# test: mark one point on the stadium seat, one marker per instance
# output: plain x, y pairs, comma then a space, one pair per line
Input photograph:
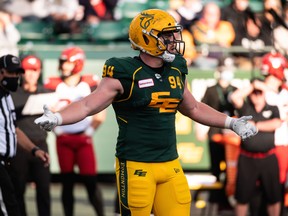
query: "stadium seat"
108, 31
34, 31
76, 37
160, 4
128, 9
256, 5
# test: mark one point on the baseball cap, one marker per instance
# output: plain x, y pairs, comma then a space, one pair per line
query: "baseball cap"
11, 63
31, 62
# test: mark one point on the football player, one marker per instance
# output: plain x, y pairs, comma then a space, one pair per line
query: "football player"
146, 91
75, 141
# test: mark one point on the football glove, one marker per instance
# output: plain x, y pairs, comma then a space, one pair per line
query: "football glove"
49, 120
242, 127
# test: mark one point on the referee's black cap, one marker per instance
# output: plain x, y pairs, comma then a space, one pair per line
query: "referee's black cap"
11, 63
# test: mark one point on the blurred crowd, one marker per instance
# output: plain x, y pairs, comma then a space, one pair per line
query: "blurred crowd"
212, 29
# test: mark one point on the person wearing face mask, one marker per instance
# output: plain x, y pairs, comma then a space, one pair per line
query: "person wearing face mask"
24, 166
11, 134
217, 96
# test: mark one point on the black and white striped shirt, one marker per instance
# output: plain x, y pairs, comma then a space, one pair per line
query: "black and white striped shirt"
8, 140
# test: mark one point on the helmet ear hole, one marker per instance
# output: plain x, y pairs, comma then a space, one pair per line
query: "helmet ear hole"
146, 39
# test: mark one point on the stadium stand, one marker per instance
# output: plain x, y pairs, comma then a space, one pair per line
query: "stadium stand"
106, 31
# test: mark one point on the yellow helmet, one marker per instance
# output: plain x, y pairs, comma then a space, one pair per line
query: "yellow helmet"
146, 29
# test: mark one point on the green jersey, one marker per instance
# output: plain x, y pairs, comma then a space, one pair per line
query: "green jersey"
146, 110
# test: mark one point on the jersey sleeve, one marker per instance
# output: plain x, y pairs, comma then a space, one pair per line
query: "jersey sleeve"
114, 68
121, 69
183, 65
180, 63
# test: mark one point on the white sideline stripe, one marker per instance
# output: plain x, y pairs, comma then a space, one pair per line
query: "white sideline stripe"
2, 204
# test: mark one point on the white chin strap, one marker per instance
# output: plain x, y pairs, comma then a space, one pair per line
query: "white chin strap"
167, 57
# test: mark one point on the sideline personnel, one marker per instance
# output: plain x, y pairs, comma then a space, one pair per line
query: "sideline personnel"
146, 91
10, 134
24, 167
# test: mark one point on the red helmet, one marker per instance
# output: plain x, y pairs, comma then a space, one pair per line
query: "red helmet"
31, 62
73, 54
274, 63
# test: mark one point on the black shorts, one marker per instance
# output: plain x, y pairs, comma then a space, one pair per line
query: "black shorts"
262, 171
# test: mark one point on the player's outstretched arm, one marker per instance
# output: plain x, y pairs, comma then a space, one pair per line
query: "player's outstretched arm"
94, 103
206, 115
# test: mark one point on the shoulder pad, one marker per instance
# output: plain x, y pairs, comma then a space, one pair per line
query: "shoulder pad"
118, 67
180, 63
91, 80
52, 83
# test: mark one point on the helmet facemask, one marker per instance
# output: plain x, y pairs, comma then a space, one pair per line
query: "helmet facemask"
174, 46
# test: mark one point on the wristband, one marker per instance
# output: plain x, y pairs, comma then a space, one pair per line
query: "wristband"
34, 149
59, 118
229, 122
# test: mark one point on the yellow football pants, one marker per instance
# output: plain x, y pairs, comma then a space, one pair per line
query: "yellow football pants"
160, 187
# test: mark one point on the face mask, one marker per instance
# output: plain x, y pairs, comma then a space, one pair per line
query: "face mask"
227, 76
10, 83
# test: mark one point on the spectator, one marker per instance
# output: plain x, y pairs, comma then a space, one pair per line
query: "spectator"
269, 18
247, 33
146, 92
63, 15
28, 10
281, 32
217, 96
257, 162
187, 13
236, 13
11, 69
110, 6
97, 10
9, 35
76, 141
254, 42
66, 16
211, 34
25, 167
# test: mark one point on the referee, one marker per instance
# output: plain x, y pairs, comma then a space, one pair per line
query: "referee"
10, 70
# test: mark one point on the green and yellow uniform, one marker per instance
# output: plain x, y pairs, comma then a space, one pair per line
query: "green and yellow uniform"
146, 141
